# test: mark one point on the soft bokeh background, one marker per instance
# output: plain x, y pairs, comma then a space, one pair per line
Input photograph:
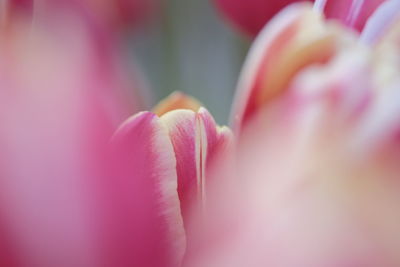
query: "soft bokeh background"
190, 48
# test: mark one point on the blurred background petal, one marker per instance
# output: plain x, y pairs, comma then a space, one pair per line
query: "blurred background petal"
250, 16
352, 13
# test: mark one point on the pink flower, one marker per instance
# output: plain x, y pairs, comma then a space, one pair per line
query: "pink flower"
311, 178
316, 176
70, 196
164, 161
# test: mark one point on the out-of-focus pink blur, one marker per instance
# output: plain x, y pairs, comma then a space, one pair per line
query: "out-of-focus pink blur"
114, 14
309, 177
64, 89
315, 178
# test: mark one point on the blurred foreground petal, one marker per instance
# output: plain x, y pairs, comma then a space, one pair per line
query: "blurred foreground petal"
59, 106
315, 180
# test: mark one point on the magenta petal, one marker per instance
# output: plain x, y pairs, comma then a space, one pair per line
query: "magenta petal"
181, 125
353, 13
146, 221
216, 138
251, 15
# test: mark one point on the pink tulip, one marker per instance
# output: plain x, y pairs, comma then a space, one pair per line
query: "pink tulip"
68, 198
316, 175
163, 161
314, 180
251, 15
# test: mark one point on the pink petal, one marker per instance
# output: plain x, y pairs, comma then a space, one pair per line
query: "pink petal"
381, 21
294, 40
250, 16
307, 195
197, 142
145, 217
352, 13
181, 125
209, 133
52, 136
107, 73
220, 145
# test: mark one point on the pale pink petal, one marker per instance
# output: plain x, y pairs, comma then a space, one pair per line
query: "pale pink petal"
297, 38
209, 127
278, 30
198, 144
145, 223
182, 128
310, 193
382, 19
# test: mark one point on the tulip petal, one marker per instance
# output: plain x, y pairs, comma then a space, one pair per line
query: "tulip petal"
209, 127
250, 16
296, 39
181, 125
176, 100
382, 19
197, 142
309, 180
352, 13
148, 224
